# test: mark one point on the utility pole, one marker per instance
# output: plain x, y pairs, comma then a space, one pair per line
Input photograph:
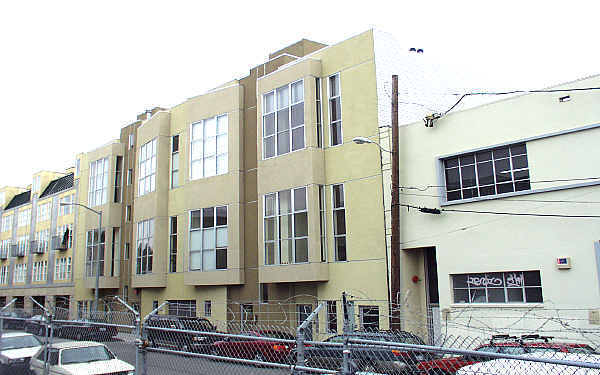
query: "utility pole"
395, 210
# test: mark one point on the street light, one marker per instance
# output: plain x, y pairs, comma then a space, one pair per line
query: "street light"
99, 213
363, 140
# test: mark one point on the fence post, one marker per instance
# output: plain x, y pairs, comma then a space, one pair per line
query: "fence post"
48, 336
348, 328
141, 353
139, 367
300, 337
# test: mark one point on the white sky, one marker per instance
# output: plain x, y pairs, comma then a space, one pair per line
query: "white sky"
72, 73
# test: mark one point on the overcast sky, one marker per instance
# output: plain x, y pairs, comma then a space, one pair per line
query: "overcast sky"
72, 73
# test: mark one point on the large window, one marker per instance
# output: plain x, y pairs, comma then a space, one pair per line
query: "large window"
6, 223
498, 287
98, 189
24, 218
65, 235
339, 222
43, 212
182, 307
92, 258
22, 245
62, 269
40, 270
335, 111
208, 239
4, 275
173, 244
147, 180
20, 273
4, 249
286, 227
67, 209
488, 172
283, 120
42, 239
174, 161
145, 252
209, 145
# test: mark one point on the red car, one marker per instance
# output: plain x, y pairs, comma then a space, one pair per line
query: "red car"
503, 344
261, 348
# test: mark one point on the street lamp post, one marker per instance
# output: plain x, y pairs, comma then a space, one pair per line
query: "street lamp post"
97, 285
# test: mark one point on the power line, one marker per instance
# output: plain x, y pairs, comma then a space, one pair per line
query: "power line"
509, 199
533, 182
438, 211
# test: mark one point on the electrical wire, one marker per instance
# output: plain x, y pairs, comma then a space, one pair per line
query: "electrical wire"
440, 210
533, 182
509, 199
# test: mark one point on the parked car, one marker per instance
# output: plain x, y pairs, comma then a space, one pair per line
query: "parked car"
503, 344
14, 320
16, 350
37, 325
85, 330
523, 367
261, 347
194, 341
370, 358
79, 358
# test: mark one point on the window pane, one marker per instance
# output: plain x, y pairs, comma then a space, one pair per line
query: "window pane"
285, 226
269, 147
485, 173
522, 185
339, 222
467, 159
501, 153
519, 161
222, 124
452, 179
221, 259
270, 253
270, 229
221, 215
208, 217
209, 259
197, 169
477, 295
210, 146
340, 248
285, 200
338, 196
208, 239
283, 121
533, 295
483, 156
505, 188
210, 127
221, 237
496, 295
222, 164
519, 149
269, 124
270, 204
470, 193
197, 131
302, 250
285, 251
532, 278
283, 97
336, 134
334, 85
451, 163
300, 199
301, 224
269, 102
222, 144
196, 261
297, 115
283, 143
468, 176
521, 175
461, 296
335, 110
487, 190
297, 92
210, 166
195, 219
515, 294
298, 138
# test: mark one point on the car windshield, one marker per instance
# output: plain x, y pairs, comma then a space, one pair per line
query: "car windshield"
19, 342
87, 354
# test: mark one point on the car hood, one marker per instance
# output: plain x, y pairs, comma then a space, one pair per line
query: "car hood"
522, 367
99, 367
20, 353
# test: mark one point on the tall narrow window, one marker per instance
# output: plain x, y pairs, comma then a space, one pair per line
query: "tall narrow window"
43, 212
207, 308
323, 223
24, 218
98, 188
126, 251
332, 316
128, 213
131, 141
93, 255
65, 236
283, 120
319, 112
286, 227
147, 179
208, 239
173, 245
339, 222
145, 251
335, 111
174, 161
115, 268
4, 275
67, 209
209, 147
129, 176
62, 269
118, 179
6, 223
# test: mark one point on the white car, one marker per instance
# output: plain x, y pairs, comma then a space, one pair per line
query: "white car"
519, 367
79, 358
17, 349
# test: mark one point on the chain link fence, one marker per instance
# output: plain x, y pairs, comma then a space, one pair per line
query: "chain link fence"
348, 336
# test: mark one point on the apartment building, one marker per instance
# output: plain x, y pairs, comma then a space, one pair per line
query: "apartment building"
37, 245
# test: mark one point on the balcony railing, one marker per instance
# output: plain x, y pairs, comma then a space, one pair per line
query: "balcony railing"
36, 247
15, 251
58, 244
3, 254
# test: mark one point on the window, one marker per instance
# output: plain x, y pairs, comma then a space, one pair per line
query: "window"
283, 120
62, 269
41, 238
40, 270
126, 250
147, 179
22, 245
92, 258
369, 318
173, 244
208, 239
24, 218
98, 189
498, 287
174, 161
65, 235
129, 176
145, 231
20, 272
339, 223
6, 223
43, 212
4, 249
115, 268
335, 111
131, 141
209, 147
488, 172
331, 316
264, 293
319, 112
323, 223
207, 308
128, 213
182, 307
4, 275
118, 180
67, 209
286, 227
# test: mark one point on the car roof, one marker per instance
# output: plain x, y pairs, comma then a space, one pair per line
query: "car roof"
16, 334
74, 344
